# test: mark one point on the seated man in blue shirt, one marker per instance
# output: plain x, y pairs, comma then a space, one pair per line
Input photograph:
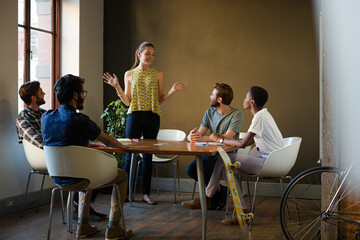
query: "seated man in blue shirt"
28, 124
65, 126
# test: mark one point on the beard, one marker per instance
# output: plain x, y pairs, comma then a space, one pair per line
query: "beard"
214, 104
80, 103
40, 101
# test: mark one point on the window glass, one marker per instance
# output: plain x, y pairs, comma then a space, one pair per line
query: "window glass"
21, 53
41, 14
40, 63
37, 44
21, 9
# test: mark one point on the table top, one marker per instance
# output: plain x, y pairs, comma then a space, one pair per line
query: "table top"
152, 146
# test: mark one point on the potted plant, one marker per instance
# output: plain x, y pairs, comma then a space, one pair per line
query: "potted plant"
115, 116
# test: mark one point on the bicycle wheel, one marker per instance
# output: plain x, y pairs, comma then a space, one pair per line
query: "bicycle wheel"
302, 208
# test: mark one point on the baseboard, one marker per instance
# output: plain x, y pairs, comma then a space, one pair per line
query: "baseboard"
264, 189
34, 199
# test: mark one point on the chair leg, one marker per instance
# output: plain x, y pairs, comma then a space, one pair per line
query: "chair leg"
174, 163
253, 204
193, 193
62, 206
51, 210
157, 178
41, 189
178, 174
296, 203
69, 210
137, 175
282, 188
248, 189
26, 192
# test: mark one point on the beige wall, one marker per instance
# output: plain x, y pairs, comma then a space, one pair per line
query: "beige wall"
13, 165
242, 43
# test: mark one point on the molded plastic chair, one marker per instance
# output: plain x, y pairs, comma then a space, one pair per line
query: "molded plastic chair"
168, 135
278, 164
98, 167
36, 158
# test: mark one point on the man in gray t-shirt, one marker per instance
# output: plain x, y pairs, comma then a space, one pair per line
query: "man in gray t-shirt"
219, 118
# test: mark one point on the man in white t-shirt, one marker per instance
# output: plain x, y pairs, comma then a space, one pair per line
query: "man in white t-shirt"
263, 131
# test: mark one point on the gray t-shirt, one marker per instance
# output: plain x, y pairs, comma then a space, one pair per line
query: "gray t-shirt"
217, 123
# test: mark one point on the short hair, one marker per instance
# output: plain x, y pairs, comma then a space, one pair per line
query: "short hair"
66, 86
29, 89
225, 92
259, 95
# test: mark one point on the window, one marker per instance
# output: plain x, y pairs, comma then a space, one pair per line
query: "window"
38, 45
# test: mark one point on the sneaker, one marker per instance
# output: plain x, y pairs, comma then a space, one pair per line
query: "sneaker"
192, 204
230, 221
86, 229
117, 233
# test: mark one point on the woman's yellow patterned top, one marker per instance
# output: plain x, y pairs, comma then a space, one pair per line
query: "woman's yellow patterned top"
144, 91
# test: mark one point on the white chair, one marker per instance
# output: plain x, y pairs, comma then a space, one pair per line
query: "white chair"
278, 165
36, 158
166, 135
97, 167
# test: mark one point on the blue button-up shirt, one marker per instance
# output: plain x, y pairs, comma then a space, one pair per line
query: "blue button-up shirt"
64, 126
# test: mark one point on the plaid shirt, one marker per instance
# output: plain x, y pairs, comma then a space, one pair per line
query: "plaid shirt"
28, 124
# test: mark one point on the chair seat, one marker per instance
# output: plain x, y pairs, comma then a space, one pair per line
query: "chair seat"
160, 159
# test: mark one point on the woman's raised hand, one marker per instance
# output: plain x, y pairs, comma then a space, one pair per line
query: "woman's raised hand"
111, 79
178, 86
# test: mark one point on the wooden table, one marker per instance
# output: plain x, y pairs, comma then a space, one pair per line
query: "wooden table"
148, 146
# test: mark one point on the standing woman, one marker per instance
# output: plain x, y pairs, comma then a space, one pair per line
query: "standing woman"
144, 94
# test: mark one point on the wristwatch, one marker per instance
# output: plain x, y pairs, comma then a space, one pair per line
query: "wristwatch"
221, 140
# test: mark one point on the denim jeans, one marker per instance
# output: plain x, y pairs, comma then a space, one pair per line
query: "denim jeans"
142, 124
208, 165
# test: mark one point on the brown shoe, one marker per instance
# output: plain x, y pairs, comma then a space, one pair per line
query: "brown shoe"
230, 221
149, 200
192, 204
86, 229
117, 233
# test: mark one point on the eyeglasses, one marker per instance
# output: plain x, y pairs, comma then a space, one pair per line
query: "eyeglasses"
84, 92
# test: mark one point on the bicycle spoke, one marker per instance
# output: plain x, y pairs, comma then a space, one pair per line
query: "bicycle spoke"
316, 215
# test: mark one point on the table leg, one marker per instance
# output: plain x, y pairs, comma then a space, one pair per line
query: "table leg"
131, 178
200, 174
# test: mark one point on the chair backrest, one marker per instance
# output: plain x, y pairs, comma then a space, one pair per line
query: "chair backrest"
35, 156
171, 135
280, 161
98, 167
243, 151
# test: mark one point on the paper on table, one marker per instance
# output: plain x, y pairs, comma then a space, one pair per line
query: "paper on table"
215, 143
124, 140
207, 143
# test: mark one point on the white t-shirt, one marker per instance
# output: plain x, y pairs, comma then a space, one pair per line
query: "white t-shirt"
268, 136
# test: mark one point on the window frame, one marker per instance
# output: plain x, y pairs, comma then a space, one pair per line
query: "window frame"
55, 44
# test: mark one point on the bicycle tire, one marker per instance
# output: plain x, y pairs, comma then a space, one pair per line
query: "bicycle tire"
303, 195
